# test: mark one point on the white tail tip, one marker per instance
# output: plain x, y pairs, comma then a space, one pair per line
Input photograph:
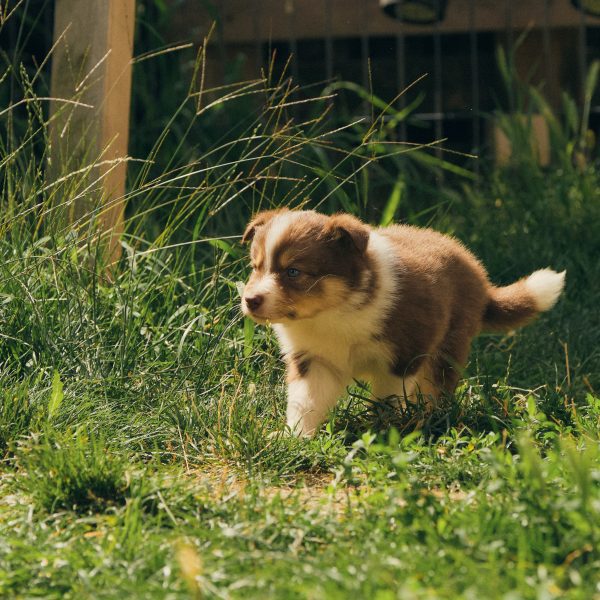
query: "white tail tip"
545, 286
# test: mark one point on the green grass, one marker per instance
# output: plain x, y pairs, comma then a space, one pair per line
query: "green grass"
137, 407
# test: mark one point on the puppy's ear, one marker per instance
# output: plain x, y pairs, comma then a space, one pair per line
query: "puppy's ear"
350, 229
259, 219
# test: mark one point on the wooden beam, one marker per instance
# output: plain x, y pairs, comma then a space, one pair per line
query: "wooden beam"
349, 17
92, 64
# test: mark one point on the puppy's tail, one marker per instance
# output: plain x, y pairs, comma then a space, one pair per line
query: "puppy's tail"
514, 305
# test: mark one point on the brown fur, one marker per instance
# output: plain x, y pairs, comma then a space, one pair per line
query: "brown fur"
444, 293
297, 366
508, 307
260, 219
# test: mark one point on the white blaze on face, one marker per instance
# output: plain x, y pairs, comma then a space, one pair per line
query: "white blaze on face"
276, 232
265, 286
265, 283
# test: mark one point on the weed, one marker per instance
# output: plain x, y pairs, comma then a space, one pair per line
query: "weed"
73, 471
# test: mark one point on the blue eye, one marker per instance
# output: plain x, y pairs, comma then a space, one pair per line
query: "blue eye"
291, 272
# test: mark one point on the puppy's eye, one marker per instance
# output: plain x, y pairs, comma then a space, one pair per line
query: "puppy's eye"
291, 272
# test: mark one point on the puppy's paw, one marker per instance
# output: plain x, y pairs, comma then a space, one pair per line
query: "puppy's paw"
288, 432
285, 432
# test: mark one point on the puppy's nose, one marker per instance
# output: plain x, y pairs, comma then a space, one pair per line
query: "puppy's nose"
253, 302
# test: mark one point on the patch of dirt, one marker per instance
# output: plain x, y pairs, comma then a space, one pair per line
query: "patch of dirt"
313, 490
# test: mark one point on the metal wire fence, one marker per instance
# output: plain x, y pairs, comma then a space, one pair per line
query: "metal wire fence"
463, 82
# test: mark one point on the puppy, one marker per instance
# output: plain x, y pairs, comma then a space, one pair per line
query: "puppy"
397, 306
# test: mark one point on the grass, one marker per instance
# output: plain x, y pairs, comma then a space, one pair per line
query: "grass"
136, 409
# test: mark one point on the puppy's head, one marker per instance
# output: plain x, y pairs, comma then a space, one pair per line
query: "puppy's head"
303, 263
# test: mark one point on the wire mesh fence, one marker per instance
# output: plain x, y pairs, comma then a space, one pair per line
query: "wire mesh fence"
553, 43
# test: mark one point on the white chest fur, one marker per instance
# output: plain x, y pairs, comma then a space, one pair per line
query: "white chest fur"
346, 337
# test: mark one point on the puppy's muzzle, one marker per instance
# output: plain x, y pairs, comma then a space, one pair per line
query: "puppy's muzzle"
253, 303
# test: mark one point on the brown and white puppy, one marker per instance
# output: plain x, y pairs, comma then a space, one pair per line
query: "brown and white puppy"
396, 306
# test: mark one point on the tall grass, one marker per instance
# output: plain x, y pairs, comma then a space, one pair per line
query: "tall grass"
167, 324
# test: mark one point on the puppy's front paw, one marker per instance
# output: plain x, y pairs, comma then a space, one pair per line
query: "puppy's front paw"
302, 426
286, 432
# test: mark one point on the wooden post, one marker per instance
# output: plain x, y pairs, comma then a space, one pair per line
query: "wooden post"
92, 65
539, 139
